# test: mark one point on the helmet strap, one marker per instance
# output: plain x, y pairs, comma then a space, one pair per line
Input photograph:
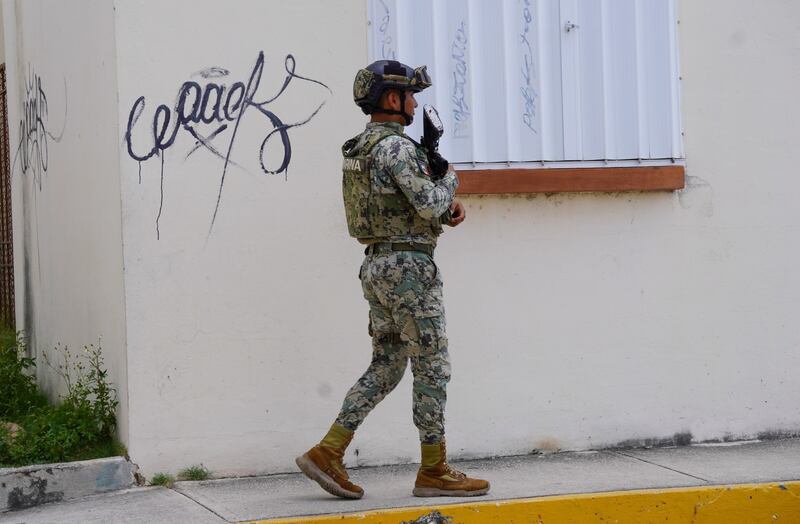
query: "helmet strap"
406, 117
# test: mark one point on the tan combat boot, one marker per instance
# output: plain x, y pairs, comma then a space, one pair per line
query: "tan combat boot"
323, 464
436, 477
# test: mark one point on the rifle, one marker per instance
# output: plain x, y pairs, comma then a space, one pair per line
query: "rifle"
432, 132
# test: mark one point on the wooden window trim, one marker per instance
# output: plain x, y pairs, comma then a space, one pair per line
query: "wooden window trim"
564, 180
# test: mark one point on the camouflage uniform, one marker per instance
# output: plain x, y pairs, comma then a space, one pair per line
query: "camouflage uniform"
404, 288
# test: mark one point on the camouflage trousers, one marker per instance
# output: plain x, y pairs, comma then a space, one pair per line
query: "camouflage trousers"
406, 321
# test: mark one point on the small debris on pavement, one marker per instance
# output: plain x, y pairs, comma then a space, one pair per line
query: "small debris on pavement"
431, 518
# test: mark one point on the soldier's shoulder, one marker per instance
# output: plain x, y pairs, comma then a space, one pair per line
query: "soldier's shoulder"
395, 145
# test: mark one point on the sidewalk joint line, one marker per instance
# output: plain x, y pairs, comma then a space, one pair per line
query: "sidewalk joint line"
616, 452
200, 504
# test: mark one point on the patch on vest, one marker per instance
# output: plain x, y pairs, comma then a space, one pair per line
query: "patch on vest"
355, 164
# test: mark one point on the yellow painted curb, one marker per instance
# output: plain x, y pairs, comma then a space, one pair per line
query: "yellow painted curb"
734, 504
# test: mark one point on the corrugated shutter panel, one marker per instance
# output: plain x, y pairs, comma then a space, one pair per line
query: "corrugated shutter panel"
541, 80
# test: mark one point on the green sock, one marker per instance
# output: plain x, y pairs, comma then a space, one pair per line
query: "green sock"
338, 437
431, 455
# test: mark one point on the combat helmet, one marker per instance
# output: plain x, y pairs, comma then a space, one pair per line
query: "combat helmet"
373, 80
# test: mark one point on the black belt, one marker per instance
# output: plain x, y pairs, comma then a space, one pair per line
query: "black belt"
388, 247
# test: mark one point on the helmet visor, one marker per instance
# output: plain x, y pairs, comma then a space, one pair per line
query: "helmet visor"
422, 79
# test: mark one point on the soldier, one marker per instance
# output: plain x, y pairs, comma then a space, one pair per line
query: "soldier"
395, 207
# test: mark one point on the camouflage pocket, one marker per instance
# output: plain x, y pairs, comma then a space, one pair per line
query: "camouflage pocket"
426, 271
380, 323
435, 267
420, 291
425, 334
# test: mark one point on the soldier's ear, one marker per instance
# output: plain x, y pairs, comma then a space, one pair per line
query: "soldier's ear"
391, 100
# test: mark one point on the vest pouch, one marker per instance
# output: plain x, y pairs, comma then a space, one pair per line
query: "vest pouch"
356, 189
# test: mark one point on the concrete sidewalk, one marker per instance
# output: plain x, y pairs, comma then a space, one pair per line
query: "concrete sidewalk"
523, 477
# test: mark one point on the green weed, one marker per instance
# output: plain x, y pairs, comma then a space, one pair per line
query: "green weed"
162, 479
199, 472
81, 426
18, 392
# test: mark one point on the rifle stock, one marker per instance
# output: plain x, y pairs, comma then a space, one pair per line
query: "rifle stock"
432, 132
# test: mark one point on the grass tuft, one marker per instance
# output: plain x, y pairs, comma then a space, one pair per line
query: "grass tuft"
198, 472
162, 479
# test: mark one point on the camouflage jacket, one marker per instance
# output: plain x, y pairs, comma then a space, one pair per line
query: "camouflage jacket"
399, 166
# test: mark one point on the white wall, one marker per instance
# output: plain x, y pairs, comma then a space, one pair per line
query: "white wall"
575, 321
741, 119
241, 343
591, 320
67, 227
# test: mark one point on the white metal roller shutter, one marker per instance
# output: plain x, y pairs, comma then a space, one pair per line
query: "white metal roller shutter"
531, 81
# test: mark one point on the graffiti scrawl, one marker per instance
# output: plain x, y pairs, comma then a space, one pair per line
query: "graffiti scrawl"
528, 68
213, 112
32, 150
461, 110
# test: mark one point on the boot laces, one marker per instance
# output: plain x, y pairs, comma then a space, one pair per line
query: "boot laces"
454, 472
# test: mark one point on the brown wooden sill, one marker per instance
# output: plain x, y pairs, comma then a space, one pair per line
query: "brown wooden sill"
558, 180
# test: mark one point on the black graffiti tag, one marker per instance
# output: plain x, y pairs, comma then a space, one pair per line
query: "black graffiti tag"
223, 107
32, 151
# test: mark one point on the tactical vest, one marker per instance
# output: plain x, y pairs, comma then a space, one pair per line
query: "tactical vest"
374, 211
